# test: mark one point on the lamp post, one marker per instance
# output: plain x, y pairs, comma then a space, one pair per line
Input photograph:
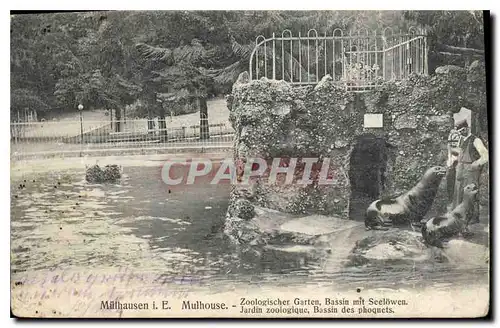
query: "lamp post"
80, 109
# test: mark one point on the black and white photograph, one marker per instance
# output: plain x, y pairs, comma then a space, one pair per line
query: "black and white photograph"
250, 164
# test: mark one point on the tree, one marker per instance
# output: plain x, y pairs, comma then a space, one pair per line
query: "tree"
55, 57
21, 99
31, 76
172, 76
454, 37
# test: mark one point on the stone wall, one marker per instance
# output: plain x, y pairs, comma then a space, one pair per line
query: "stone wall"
273, 119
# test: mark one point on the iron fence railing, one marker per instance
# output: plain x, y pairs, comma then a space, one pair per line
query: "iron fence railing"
70, 136
359, 60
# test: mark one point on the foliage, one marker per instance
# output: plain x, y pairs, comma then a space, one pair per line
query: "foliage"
21, 99
456, 28
112, 59
174, 80
463, 30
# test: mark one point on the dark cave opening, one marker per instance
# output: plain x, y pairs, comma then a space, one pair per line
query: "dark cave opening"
367, 166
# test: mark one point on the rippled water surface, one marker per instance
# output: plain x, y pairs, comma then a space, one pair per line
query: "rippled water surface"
59, 220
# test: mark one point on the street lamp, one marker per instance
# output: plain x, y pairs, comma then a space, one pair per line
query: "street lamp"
80, 109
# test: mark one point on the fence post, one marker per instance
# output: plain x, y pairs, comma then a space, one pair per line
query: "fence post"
274, 57
300, 59
265, 59
349, 67
326, 71
333, 56
250, 68
400, 57
291, 57
256, 59
426, 63
342, 56
308, 58
282, 56
384, 43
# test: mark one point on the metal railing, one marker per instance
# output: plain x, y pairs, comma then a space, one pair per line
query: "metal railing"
65, 137
359, 60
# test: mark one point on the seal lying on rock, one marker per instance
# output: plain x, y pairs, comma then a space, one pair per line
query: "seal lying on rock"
409, 207
453, 223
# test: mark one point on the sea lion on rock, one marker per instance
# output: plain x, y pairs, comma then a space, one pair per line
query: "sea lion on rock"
409, 207
453, 223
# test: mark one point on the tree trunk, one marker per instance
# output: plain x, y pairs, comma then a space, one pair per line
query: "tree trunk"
162, 124
204, 131
461, 50
467, 59
118, 121
151, 122
111, 118
151, 103
483, 118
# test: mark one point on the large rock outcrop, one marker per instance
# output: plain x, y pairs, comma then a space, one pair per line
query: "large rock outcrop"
393, 247
273, 119
110, 173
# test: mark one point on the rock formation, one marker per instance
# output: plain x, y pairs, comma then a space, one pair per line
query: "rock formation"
273, 119
110, 173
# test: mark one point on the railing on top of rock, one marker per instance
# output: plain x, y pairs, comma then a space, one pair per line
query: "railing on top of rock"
359, 60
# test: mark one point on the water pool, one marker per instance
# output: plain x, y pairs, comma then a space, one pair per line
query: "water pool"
61, 222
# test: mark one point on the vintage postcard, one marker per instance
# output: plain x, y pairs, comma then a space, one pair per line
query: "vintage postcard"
249, 164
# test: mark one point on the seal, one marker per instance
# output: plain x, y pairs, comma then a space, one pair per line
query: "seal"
410, 207
442, 228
